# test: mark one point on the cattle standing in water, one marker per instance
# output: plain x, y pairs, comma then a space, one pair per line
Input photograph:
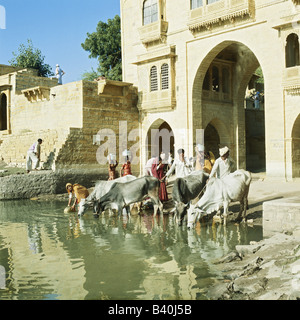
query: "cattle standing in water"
101, 188
123, 194
219, 193
187, 189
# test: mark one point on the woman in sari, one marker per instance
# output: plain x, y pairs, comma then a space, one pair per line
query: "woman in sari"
158, 171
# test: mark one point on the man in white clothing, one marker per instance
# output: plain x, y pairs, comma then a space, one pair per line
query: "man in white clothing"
182, 166
224, 165
33, 156
59, 73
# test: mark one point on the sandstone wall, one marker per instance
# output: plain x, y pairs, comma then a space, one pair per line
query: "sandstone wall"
101, 112
61, 108
68, 118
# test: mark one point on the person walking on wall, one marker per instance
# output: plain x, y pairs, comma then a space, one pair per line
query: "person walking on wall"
257, 100
33, 156
59, 73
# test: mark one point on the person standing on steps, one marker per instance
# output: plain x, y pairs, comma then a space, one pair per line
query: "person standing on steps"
33, 156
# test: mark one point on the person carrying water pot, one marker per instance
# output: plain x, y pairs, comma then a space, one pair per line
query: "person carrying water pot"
126, 167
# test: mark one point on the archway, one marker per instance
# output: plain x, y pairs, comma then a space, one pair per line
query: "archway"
160, 138
219, 92
215, 136
296, 148
211, 139
255, 123
3, 112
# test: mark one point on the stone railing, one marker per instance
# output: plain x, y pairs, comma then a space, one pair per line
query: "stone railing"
216, 96
218, 12
154, 32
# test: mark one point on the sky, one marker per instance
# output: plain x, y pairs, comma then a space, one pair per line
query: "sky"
57, 28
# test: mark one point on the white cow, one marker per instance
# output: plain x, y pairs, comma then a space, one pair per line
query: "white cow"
101, 188
219, 193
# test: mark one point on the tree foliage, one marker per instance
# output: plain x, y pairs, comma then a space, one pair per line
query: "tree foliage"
30, 57
259, 73
90, 75
105, 45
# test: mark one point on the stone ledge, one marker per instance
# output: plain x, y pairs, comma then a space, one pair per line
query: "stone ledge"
282, 215
26, 186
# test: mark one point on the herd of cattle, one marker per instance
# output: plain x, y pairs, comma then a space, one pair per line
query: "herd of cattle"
193, 196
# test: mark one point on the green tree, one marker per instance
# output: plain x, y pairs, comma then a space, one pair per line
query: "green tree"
90, 75
105, 45
30, 57
259, 73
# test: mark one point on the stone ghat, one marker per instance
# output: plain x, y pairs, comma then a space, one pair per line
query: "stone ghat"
281, 215
26, 186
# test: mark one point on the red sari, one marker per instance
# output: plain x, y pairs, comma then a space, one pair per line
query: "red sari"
127, 169
159, 174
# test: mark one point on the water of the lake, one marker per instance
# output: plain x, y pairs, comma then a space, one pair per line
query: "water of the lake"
48, 254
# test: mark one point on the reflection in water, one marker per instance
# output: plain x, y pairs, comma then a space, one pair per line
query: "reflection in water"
48, 254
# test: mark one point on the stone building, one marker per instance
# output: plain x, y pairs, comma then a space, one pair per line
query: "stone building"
72, 119
187, 67
192, 62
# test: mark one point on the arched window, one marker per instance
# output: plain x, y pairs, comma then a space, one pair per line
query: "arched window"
153, 79
225, 80
196, 4
150, 11
164, 76
292, 51
3, 112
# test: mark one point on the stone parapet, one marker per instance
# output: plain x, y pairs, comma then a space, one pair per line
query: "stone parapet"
26, 186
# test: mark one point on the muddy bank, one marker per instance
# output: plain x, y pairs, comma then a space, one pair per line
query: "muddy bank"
264, 270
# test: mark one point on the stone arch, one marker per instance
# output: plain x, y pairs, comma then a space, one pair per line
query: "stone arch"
215, 135
292, 51
231, 112
3, 111
160, 137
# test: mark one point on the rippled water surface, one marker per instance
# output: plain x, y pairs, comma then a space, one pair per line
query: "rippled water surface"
48, 254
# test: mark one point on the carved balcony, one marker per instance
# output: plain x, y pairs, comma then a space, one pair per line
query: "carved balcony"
155, 32
220, 12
